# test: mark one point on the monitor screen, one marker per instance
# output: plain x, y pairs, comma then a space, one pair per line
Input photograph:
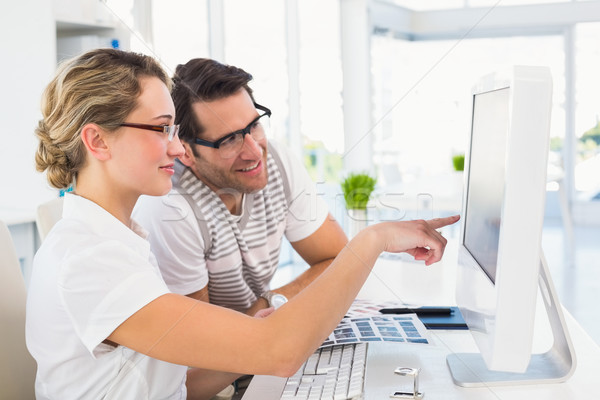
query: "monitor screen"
485, 190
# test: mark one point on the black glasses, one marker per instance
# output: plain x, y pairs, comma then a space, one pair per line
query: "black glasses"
169, 130
231, 144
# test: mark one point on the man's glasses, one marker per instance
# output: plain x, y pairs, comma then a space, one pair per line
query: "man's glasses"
231, 144
169, 130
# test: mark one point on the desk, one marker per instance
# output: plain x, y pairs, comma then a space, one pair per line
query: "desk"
414, 283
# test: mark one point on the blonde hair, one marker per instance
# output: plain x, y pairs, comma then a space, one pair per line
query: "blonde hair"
101, 87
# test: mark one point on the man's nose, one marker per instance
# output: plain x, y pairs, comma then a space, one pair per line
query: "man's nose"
251, 147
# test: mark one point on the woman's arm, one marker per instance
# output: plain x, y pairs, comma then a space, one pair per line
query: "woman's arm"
184, 331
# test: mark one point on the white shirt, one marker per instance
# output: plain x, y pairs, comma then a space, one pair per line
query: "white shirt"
91, 274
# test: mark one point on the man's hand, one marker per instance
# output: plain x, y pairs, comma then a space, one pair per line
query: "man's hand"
265, 312
318, 250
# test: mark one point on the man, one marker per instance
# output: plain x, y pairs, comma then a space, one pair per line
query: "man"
217, 235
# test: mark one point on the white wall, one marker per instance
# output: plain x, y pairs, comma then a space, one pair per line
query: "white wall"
28, 59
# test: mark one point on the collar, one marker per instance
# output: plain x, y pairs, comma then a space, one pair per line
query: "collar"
104, 224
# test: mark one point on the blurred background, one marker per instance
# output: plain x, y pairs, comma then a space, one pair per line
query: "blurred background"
372, 86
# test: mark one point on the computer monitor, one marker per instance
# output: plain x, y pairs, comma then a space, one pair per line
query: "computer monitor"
500, 261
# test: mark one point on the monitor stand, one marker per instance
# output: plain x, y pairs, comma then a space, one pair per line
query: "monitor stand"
556, 365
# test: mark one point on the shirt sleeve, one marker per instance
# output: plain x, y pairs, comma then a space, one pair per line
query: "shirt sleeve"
176, 241
117, 282
307, 209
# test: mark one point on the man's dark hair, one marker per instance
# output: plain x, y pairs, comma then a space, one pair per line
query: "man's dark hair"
203, 79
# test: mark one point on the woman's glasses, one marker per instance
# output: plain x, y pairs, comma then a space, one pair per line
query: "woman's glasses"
169, 130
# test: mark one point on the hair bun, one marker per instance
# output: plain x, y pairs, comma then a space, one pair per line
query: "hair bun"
50, 158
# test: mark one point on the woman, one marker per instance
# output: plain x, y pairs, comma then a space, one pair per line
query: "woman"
101, 323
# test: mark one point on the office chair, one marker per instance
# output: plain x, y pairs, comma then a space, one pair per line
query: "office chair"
17, 367
47, 215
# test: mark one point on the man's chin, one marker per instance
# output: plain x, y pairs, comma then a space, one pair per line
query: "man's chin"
249, 189
252, 191
256, 184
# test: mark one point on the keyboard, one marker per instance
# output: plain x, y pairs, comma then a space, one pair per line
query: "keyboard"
331, 373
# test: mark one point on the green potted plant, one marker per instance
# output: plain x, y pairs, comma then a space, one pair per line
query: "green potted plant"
458, 161
357, 189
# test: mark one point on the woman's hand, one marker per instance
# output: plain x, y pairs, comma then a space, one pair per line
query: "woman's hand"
418, 238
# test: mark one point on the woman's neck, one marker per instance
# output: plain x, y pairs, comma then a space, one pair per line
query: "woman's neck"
117, 202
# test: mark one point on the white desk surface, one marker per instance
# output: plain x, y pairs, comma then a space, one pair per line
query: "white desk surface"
414, 283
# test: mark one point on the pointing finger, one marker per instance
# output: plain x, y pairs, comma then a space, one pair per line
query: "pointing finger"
440, 222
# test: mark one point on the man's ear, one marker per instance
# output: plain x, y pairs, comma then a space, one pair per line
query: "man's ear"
94, 139
188, 158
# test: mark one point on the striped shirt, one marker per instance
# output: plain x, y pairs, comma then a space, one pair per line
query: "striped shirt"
197, 241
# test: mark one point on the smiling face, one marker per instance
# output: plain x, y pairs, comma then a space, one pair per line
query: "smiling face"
244, 173
145, 158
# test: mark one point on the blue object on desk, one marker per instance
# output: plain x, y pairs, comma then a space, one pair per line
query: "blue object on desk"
434, 317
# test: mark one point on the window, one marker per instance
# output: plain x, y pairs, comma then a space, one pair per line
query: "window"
421, 5
255, 41
320, 84
587, 112
423, 90
180, 31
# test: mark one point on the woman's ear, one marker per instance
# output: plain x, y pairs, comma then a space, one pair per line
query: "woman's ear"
94, 139
188, 158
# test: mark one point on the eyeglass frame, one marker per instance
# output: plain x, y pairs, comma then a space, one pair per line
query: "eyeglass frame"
169, 130
245, 131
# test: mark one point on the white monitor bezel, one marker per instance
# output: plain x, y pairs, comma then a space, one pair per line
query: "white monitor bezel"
501, 315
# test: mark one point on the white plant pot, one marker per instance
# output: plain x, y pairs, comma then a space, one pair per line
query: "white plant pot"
357, 220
